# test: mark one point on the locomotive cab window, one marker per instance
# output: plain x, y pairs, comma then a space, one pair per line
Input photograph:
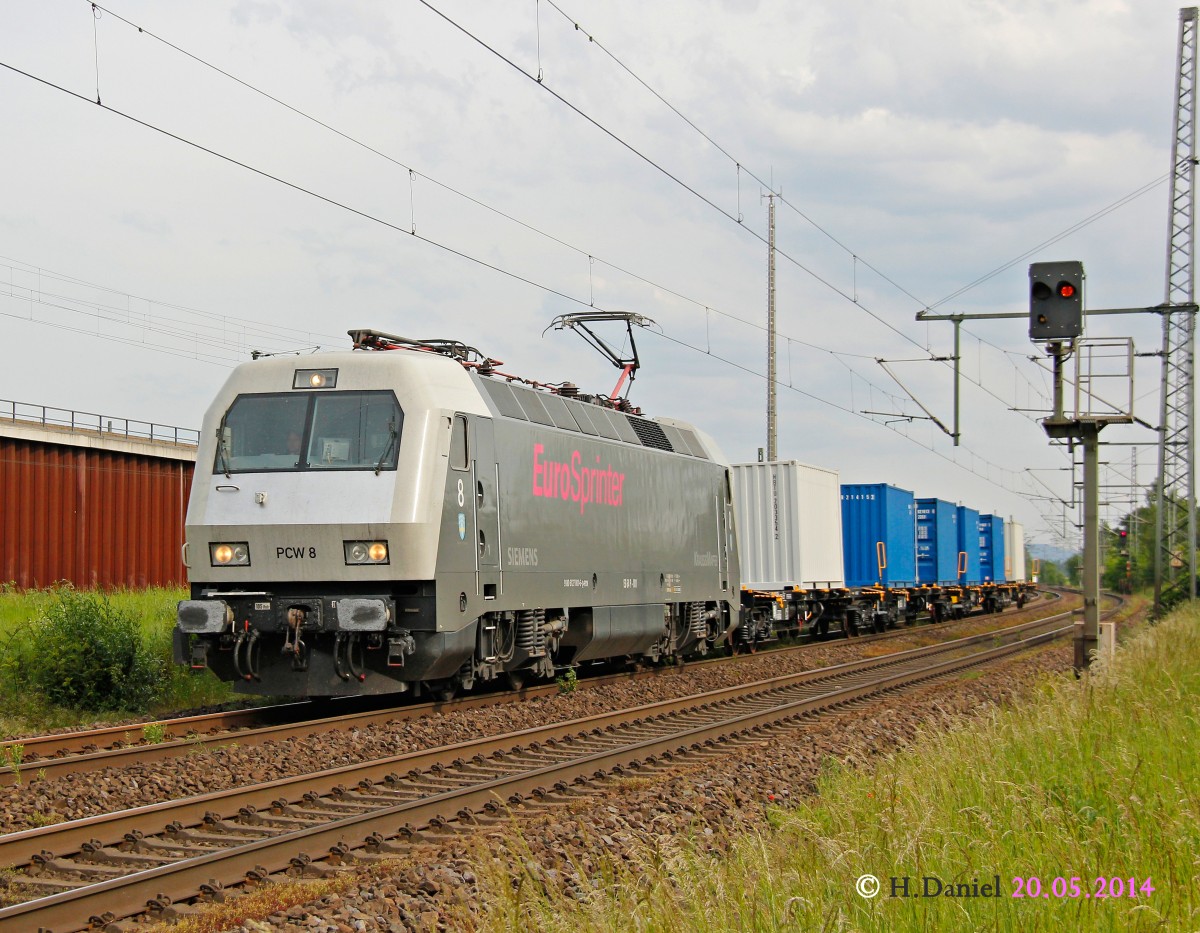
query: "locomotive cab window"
330, 431
459, 457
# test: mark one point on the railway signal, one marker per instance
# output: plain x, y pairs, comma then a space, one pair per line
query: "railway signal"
1055, 300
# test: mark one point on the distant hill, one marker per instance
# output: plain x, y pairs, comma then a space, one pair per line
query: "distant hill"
1049, 552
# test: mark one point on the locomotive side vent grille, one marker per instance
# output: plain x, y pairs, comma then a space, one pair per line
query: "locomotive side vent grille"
535, 411
650, 434
572, 415
683, 443
502, 396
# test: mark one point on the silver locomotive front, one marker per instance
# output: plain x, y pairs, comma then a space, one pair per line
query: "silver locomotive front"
318, 486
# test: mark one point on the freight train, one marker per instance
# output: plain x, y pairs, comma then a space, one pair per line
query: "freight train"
403, 517
901, 558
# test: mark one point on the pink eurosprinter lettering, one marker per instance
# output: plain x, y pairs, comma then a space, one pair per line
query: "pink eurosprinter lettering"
571, 481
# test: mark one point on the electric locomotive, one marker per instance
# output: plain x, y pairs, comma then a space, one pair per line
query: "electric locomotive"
403, 517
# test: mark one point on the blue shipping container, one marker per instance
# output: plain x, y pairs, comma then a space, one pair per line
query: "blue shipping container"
937, 541
968, 546
991, 548
878, 527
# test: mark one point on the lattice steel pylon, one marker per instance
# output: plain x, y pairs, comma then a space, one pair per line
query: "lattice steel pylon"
1175, 555
772, 410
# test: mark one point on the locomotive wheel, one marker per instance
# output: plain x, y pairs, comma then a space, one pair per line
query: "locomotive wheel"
515, 680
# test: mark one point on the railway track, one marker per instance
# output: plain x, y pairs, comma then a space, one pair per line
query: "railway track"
53, 756
105, 868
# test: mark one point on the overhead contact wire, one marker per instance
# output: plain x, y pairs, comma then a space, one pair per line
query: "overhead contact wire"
649, 161
451, 250
300, 188
413, 172
740, 167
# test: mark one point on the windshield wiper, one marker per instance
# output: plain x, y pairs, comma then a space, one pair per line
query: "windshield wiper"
390, 447
223, 447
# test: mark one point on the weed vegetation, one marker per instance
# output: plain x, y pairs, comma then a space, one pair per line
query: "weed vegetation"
1080, 810
69, 656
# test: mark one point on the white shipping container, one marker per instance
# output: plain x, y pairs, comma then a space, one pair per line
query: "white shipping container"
1014, 552
789, 525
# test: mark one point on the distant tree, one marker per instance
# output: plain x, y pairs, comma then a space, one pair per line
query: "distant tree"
1051, 574
1129, 557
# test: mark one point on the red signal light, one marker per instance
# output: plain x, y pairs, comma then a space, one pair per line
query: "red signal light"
1066, 290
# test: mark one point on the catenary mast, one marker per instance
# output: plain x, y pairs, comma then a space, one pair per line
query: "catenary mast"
1175, 555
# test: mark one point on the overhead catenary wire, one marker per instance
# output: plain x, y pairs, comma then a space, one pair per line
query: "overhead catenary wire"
857, 259
737, 163
457, 192
209, 337
670, 175
853, 298
739, 166
304, 190
593, 41
591, 258
208, 331
371, 217
858, 414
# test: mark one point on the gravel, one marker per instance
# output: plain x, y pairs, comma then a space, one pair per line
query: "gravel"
710, 798
228, 765
436, 888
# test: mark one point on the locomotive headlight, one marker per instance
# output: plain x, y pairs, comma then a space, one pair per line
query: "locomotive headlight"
366, 552
234, 554
315, 379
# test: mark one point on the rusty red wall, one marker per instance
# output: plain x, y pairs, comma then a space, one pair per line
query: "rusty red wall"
90, 516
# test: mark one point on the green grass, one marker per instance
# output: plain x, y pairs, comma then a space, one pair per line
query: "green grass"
33, 636
1093, 778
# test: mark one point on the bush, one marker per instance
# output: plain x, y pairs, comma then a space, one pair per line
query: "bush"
83, 652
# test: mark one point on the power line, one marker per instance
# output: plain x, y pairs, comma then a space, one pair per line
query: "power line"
858, 414
581, 251
361, 213
668, 174
299, 188
413, 172
593, 41
740, 166
1074, 228
211, 332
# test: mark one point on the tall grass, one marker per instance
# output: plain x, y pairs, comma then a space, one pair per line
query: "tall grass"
69, 657
1093, 779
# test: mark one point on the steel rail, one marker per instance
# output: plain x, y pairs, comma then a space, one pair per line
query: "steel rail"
52, 756
124, 896
19, 848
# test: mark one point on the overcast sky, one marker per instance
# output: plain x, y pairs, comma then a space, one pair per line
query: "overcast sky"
919, 145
